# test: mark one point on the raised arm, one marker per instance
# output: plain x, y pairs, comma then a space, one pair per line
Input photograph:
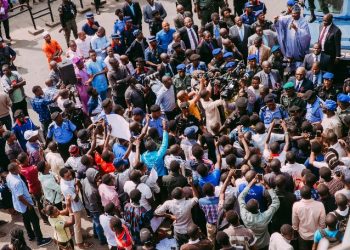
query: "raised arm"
267, 141
285, 129
225, 185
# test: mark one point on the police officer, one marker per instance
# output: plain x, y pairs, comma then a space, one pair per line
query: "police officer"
241, 109
205, 8
276, 60
343, 110
327, 90
271, 111
63, 131
296, 118
68, 12
289, 98
185, 119
314, 113
218, 59
75, 115
181, 81
248, 16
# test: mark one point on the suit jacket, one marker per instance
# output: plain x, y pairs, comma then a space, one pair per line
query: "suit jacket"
310, 76
205, 51
179, 21
137, 18
210, 26
184, 35
242, 45
135, 50
325, 61
264, 79
264, 52
163, 70
147, 12
305, 86
271, 38
332, 42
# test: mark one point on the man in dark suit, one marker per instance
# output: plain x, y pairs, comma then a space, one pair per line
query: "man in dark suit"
189, 34
239, 33
164, 68
315, 75
137, 47
206, 47
147, 11
215, 25
330, 38
317, 56
301, 83
133, 10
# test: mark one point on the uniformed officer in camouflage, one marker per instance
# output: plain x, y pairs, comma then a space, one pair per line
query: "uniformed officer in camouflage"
289, 98
343, 110
296, 118
205, 8
181, 81
68, 12
327, 90
218, 59
241, 108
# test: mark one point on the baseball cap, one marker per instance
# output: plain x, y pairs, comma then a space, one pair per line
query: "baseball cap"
30, 134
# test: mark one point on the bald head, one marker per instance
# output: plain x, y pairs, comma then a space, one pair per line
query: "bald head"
331, 221
253, 206
188, 22
165, 26
180, 9
287, 231
250, 175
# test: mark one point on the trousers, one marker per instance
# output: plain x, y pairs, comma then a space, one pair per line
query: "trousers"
70, 26
31, 224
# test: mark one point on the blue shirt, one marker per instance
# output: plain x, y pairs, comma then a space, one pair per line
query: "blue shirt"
164, 39
100, 81
314, 111
155, 159
62, 134
213, 178
88, 30
248, 19
314, 194
40, 105
100, 44
119, 150
329, 233
119, 26
18, 188
152, 55
19, 129
156, 123
255, 192
267, 116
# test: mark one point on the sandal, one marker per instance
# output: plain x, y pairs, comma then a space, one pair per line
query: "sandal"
86, 245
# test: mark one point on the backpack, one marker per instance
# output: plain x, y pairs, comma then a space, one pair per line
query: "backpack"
342, 221
333, 241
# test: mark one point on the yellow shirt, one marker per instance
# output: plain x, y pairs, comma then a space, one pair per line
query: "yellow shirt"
62, 234
193, 109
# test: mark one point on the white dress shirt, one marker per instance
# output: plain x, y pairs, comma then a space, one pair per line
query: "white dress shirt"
84, 46
193, 43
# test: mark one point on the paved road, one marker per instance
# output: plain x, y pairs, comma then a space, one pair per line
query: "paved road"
32, 64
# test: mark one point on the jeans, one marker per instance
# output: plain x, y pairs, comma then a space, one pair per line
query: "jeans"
98, 230
7, 121
30, 218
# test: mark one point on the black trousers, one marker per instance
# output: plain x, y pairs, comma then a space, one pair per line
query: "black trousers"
305, 244
239, 6
120, 100
7, 122
97, 4
6, 25
20, 105
63, 148
31, 223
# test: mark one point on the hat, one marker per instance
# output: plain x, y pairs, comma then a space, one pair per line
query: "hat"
151, 39
257, 13
296, 8
190, 131
184, 105
115, 36
308, 95
89, 15
251, 57
67, 103
228, 55
290, 2
54, 115
145, 235
127, 19
73, 150
30, 134
216, 51
230, 65
343, 98
330, 105
275, 48
269, 98
118, 162
155, 108
136, 32
328, 75
175, 45
181, 67
248, 5
194, 57
45, 34
18, 113
288, 85
137, 111
241, 102
294, 108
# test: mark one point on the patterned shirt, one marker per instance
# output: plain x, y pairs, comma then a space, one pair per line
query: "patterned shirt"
40, 105
135, 217
209, 205
314, 194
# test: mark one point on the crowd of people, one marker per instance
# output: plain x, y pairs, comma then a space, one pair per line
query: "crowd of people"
239, 133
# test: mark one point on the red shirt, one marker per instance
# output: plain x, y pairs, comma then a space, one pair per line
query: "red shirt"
31, 175
106, 167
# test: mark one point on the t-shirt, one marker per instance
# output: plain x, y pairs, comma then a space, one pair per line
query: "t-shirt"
145, 190
329, 233
61, 234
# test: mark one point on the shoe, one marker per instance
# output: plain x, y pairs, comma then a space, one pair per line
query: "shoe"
312, 19
44, 242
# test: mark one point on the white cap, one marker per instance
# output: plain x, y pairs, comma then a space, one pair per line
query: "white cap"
45, 33
30, 133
